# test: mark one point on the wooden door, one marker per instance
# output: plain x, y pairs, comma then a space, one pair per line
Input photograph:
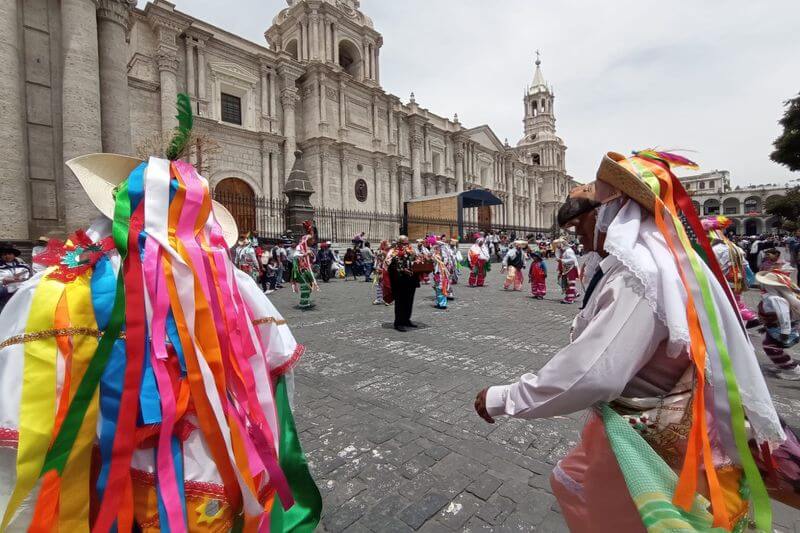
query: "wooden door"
485, 218
239, 198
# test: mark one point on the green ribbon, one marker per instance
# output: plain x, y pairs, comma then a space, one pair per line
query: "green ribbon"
58, 454
761, 504
648, 177
304, 515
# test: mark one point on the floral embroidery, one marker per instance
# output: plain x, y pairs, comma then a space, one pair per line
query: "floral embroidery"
74, 257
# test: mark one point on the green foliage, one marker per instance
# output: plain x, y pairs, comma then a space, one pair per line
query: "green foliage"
787, 207
184, 131
787, 146
790, 226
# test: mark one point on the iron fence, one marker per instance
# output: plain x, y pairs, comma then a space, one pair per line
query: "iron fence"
341, 225
267, 216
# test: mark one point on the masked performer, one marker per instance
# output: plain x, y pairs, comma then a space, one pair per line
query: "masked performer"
660, 358
732, 260
146, 381
302, 267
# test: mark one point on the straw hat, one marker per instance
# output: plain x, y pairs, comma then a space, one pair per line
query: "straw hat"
774, 278
521, 242
100, 174
615, 171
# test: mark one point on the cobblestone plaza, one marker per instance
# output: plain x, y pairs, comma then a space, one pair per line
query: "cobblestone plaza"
387, 417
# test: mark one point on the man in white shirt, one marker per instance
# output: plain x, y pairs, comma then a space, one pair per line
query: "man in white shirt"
634, 350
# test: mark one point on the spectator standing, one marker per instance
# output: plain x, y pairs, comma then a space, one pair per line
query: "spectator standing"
280, 256
349, 263
325, 259
368, 261
41, 244
13, 272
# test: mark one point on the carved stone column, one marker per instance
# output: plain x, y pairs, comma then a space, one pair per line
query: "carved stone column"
416, 164
190, 88
336, 43
459, 160
201, 78
80, 98
509, 169
167, 72
265, 101
166, 55
112, 25
289, 99
266, 182
13, 170
313, 21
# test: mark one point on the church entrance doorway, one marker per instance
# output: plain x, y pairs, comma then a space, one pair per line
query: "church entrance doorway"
240, 199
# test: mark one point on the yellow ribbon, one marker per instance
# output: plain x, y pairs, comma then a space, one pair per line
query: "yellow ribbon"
76, 478
38, 403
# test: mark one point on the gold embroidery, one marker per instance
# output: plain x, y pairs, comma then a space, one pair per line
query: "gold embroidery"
38, 335
268, 320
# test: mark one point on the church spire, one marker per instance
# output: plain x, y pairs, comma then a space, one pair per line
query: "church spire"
538, 78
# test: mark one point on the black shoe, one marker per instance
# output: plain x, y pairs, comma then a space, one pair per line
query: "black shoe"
411, 325
753, 323
401, 328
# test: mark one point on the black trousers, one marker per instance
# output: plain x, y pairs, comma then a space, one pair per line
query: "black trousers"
325, 271
403, 293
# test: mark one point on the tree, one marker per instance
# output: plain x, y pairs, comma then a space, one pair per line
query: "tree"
787, 146
790, 226
787, 207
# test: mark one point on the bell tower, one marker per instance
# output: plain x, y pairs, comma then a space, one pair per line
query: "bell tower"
332, 32
539, 115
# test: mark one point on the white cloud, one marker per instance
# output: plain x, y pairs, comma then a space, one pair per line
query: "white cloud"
707, 76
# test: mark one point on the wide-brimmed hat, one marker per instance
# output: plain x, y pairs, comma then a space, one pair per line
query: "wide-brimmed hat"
775, 278
8, 248
630, 175
521, 242
101, 174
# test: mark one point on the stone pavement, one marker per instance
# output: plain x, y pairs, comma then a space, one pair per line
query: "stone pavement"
387, 420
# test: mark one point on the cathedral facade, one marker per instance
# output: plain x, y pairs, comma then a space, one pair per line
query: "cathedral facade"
83, 76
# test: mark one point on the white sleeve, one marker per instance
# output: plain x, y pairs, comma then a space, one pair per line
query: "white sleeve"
281, 346
620, 340
780, 307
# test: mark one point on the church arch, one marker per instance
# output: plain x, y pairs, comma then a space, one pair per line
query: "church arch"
350, 58
240, 199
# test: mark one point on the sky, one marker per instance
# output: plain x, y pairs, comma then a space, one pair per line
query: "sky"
707, 77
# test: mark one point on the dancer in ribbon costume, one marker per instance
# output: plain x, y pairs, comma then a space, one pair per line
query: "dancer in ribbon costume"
144, 376
441, 275
732, 260
380, 268
458, 260
478, 259
514, 262
538, 276
302, 267
780, 311
660, 357
568, 268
